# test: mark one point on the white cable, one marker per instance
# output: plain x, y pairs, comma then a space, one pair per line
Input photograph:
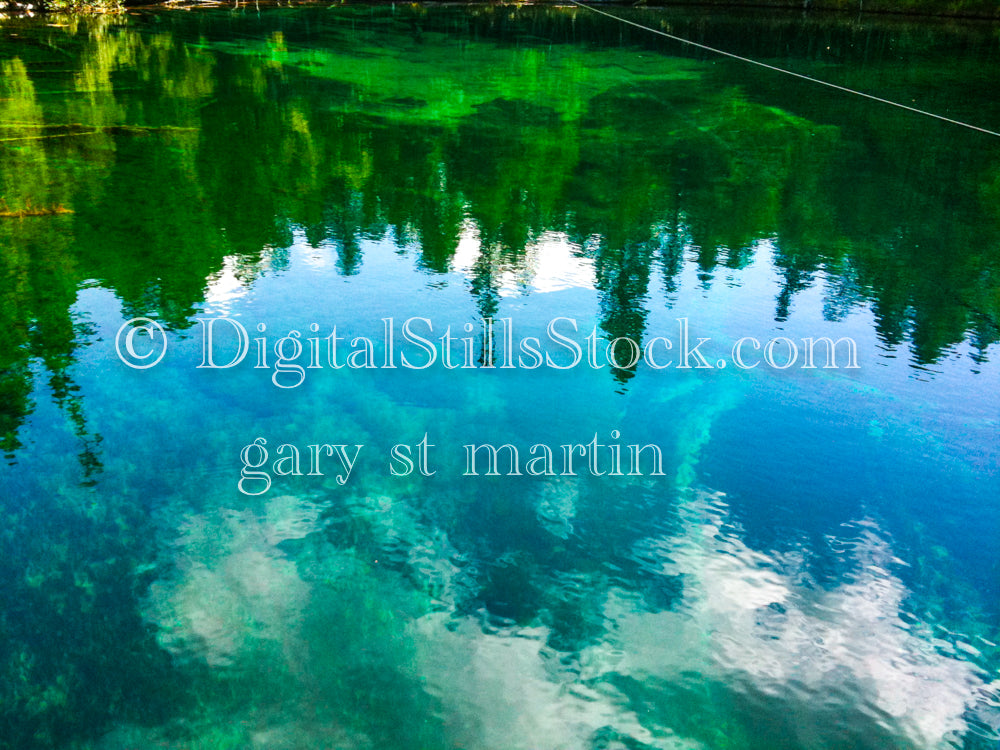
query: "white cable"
782, 70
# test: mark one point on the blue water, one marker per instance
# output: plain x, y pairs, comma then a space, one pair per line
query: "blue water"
798, 557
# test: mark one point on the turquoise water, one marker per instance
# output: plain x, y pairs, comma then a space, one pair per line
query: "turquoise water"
732, 554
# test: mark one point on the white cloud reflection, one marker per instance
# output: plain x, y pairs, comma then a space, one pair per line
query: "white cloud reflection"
826, 668
230, 585
752, 649
551, 263
224, 287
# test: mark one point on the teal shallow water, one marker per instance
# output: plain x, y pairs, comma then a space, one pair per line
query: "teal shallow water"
816, 564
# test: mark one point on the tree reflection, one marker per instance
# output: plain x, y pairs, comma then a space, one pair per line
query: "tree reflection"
181, 159
186, 158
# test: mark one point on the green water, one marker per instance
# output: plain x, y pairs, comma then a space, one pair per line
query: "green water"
806, 557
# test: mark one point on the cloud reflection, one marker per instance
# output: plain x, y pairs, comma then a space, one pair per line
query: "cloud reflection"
754, 653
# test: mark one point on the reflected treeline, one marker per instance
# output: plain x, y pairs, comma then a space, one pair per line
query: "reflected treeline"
156, 151
148, 157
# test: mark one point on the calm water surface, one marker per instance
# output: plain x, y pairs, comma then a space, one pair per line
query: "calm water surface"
816, 564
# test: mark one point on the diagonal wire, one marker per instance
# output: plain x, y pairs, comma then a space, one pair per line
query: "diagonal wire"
782, 70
